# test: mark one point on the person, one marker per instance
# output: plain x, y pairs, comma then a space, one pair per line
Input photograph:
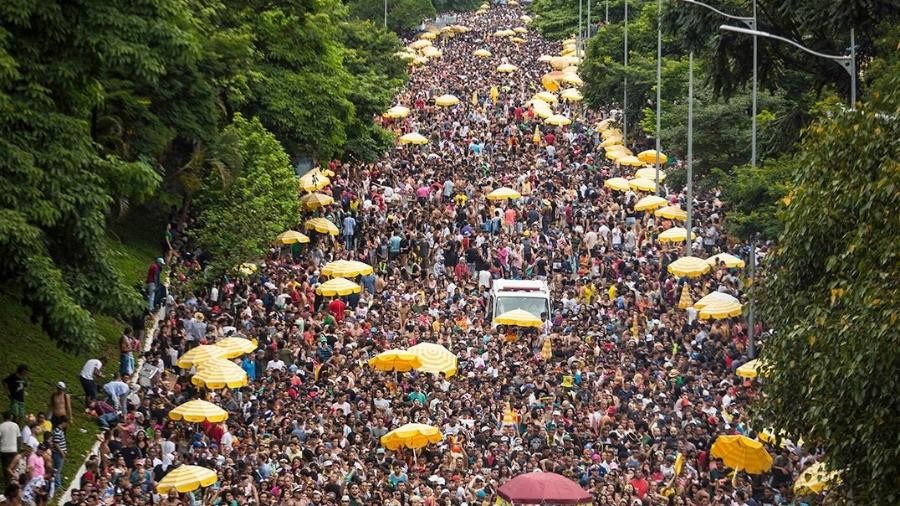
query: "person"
153, 281
90, 372
10, 440
15, 385
117, 392
60, 404
59, 449
127, 346
348, 229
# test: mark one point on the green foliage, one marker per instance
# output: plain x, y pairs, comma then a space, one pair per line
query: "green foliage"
403, 16
833, 295
455, 5
556, 19
754, 197
238, 223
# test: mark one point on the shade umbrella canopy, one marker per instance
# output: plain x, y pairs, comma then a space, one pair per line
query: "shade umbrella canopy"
649, 157
691, 267
714, 297
421, 43
411, 435
749, 369
315, 201
543, 488
545, 96
675, 234
427, 36
396, 112
572, 95
404, 55
185, 478
435, 359
542, 111
199, 411
413, 138
615, 154
507, 68
291, 237
604, 125
395, 360
814, 479
572, 79
642, 184
650, 173
631, 161
731, 261
313, 181
432, 52
219, 373
338, 286
519, 318
619, 184
520, 29
482, 53
518, 40
418, 60
671, 213
610, 132
649, 203
503, 193
558, 120
236, 346
321, 225
446, 100
719, 310
544, 58
742, 454
199, 355
613, 140
346, 269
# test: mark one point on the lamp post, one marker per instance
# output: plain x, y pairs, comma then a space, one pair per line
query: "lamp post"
578, 38
690, 156
625, 85
658, 85
385, 14
847, 62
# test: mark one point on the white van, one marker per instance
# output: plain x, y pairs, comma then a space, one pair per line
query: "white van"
528, 295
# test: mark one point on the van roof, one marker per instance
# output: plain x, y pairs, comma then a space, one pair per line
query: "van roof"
502, 285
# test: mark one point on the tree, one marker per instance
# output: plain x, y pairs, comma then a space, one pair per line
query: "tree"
238, 223
832, 293
403, 16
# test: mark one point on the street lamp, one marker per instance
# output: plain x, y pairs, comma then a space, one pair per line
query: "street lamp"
751, 24
847, 62
385, 14
625, 85
658, 86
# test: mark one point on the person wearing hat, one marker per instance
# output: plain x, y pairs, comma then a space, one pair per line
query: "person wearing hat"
60, 404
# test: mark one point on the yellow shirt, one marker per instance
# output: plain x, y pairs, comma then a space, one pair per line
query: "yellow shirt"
612, 292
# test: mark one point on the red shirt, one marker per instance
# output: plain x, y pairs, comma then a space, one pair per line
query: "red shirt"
640, 486
336, 308
153, 273
550, 139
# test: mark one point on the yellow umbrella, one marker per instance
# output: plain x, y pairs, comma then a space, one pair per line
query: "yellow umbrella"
185, 478
520, 29
413, 138
610, 132
420, 44
560, 62
814, 479
503, 193
649, 203
731, 261
639, 183
675, 234
321, 225
650, 173
525, 18
247, 268
432, 52
713, 298
395, 360
542, 111
313, 181
315, 201
549, 83
411, 435
572, 79
396, 112
519, 318
571, 95
545, 96
748, 370
742, 454
619, 184
672, 213
435, 359
684, 301
291, 237
199, 355
482, 53
558, 120
236, 346
427, 36
649, 157
630, 161
504, 33
418, 60
615, 154
545, 58
338, 286
719, 310
198, 411
403, 55
691, 267
446, 100
461, 28
507, 68
346, 269
603, 125
219, 374
518, 40
615, 140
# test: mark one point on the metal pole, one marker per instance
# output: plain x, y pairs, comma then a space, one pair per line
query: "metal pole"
852, 69
578, 39
658, 85
588, 23
606, 15
751, 339
690, 153
385, 14
753, 143
625, 85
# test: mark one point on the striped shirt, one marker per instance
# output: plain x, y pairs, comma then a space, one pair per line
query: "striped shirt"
59, 441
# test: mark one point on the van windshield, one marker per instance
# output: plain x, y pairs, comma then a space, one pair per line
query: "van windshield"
534, 305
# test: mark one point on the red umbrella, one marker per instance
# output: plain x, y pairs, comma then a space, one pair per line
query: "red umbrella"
543, 488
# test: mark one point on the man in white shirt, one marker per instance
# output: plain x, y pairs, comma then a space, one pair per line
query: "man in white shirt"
89, 374
10, 435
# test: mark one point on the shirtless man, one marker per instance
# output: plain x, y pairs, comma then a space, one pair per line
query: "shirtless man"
60, 404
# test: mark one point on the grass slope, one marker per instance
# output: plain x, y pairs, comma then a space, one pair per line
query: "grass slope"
132, 248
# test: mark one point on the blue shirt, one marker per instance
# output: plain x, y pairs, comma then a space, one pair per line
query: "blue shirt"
349, 225
395, 243
116, 388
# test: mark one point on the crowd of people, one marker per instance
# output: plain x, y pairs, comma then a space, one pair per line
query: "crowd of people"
631, 381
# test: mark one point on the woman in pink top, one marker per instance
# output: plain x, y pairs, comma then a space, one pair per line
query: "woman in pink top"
509, 220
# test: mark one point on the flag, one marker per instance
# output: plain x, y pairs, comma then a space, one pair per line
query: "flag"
679, 463
685, 301
537, 135
495, 94
547, 349
316, 370
475, 98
